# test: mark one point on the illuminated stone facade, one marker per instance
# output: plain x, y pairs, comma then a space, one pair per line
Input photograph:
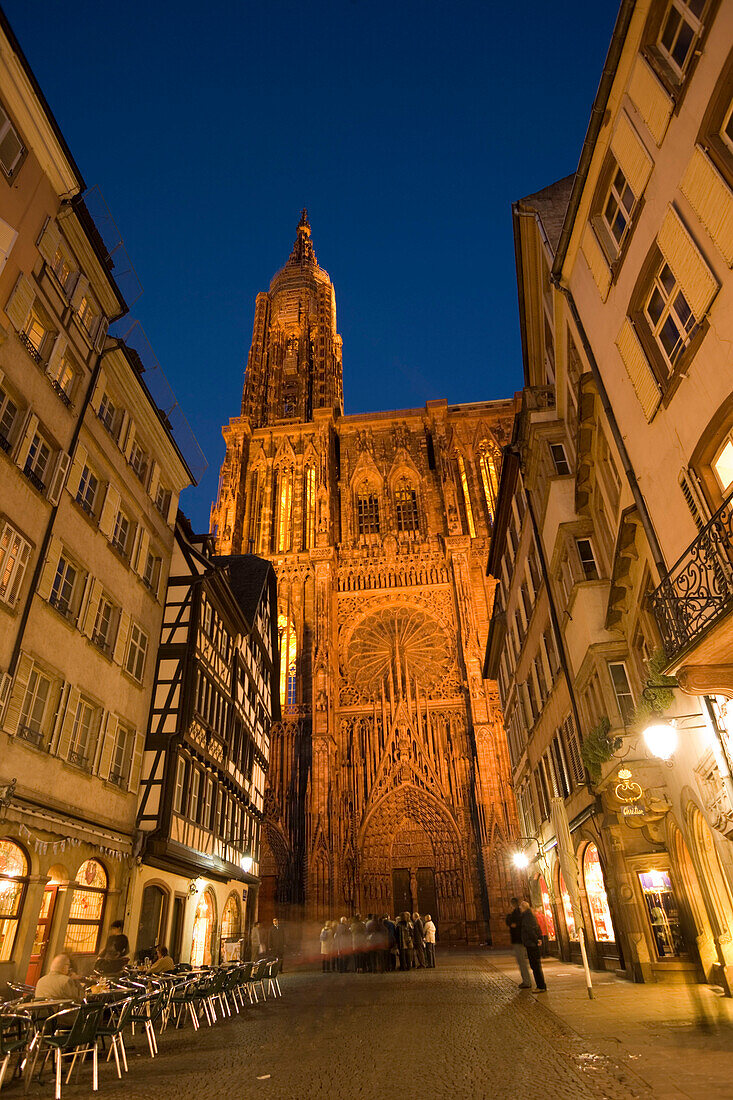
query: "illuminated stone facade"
388, 784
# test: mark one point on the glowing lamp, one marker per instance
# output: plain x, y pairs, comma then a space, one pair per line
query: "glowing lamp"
246, 863
661, 740
521, 860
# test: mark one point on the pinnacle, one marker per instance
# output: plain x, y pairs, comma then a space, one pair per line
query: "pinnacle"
303, 252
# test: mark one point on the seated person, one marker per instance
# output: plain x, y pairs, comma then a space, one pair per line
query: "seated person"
163, 962
116, 954
60, 983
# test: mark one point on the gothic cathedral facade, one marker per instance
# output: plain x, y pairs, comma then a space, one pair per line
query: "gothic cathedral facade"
389, 784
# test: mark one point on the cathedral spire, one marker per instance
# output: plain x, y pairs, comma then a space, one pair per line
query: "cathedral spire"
302, 253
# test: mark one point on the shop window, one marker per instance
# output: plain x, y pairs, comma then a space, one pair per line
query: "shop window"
203, 924
663, 913
595, 890
567, 909
13, 873
87, 909
547, 908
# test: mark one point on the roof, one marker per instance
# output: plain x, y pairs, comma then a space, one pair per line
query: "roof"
248, 577
551, 204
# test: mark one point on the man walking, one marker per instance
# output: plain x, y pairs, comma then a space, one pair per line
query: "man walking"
514, 921
276, 942
418, 939
532, 941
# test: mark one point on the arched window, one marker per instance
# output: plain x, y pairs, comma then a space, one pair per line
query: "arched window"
468, 511
367, 511
283, 510
87, 909
309, 508
203, 925
405, 497
487, 462
547, 908
13, 873
151, 928
288, 660
567, 910
595, 889
230, 923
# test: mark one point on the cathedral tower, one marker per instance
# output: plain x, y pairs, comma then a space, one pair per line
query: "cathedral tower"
388, 786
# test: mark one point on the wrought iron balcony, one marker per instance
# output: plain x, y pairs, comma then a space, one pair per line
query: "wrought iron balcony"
31, 348
33, 737
34, 478
698, 590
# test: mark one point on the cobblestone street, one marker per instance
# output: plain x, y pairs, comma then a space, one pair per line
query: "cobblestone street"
463, 1031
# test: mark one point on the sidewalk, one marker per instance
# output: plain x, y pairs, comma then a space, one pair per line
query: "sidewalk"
678, 1038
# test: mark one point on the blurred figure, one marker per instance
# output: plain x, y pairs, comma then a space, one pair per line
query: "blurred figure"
390, 936
418, 940
276, 942
257, 947
342, 937
542, 921
403, 930
514, 921
326, 942
372, 944
358, 943
532, 940
60, 983
429, 931
116, 954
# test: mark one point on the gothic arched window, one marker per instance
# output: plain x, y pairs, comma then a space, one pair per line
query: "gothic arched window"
488, 465
283, 510
469, 525
405, 496
367, 511
309, 508
288, 660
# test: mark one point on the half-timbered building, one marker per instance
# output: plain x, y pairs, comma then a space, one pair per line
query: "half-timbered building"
206, 754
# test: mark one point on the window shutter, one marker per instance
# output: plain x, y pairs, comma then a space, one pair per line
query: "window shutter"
650, 99
136, 766
122, 435
59, 477
108, 743
8, 237
90, 614
130, 439
596, 260
123, 633
49, 241
20, 302
136, 546
49, 568
173, 509
82, 286
22, 675
102, 327
631, 155
154, 480
77, 469
572, 747
23, 556
67, 726
638, 369
110, 509
697, 281
57, 354
99, 388
143, 549
5, 682
26, 438
712, 200
694, 498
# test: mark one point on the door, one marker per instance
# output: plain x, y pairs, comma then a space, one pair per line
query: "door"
401, 891
179, 910
266, 908
43, 931
427, 901
152, 918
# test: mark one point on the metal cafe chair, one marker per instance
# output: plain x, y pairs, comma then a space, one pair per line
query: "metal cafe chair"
120, 1015
245, 982
147, 1011
71, 1034
258, 979
15, 1033
271, 977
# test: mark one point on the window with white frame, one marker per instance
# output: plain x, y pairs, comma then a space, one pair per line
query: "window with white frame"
34, 712
12, 149
119, 767
723, 464
151, 575
108, 413
86, 494
14, 554
559, 459
88, 314
64, 585
622, 690
163, 501
37, 462
587, 559
8, 417
137, 649
726, 130
617, 210
84, 734
104, 624
38, 334
671, 321
679, 33
139, 460
121, 533
180, 785
193, 795
64, 374
63, 269
208, 803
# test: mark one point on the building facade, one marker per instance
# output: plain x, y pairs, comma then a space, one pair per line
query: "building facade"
388, 786
625, 296
206, 755
90, 476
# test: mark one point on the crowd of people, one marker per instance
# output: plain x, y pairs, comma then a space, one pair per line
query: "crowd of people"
378, 944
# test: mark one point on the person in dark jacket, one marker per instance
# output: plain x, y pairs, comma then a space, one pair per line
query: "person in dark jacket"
390, 961
418, 939
514, 921
276, 941
532, 940
372, 944
405, 945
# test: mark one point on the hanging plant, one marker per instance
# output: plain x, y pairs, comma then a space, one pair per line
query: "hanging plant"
598, 748
658, 694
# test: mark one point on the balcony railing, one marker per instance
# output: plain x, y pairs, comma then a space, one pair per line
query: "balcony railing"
33, 737
80, 759
31, 348
698, 590
4, 443
34, 478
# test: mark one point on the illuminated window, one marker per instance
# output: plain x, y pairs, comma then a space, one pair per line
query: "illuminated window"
230, 924
33, 713
87, 909
288, 660
284, 487
567, 910
367, 513
14, 554
466, 497
309, 508
489, 481
203, 926
723, 465
13, 871
547, 909
595, 890
663, 913
406, 504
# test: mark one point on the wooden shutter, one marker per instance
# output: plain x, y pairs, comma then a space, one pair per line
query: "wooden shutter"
123, 633
136, 765
77, 469
712, 200
572, 750
173, 509
694, 498
59, 477
130, 439
638, 369
8, 237
99, 388
23, 556
142, 551
110, 508
57, 353
695, 278
26, 438
631, 155
67, 726
22, 676
596, 260
50, 565
108, 737
122, 434
154, 480
650, 99
5, 682
101, 332
90, 614
20, 302
49, 241
81, 288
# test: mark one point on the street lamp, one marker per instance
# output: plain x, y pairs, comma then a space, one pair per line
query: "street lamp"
246, 862
661, 739
520, 859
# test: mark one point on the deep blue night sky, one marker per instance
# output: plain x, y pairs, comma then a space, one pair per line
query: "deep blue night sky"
407, 128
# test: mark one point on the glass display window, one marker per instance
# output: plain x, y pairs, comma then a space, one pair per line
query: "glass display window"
663, 913
567, 909
13, 871
547, 908
595, 890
